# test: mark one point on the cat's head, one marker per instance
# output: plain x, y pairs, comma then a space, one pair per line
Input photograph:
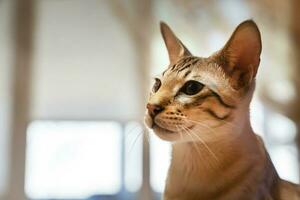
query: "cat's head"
195, 96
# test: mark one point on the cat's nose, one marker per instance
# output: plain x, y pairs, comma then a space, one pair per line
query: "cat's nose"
154, 109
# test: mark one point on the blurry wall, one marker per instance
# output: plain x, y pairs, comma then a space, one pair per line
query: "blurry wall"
6, 61
84, 64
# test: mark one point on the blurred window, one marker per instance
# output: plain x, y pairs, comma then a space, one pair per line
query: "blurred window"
133, 156
160, 154
77, 160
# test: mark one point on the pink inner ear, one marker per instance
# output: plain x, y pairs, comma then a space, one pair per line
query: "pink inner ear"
244, 49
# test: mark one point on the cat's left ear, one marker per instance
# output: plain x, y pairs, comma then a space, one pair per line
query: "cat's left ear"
176, 49
240, 57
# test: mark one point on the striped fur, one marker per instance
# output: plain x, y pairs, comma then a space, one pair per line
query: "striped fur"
216, 155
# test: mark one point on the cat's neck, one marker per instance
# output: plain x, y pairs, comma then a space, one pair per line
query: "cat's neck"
231, 145
216, 164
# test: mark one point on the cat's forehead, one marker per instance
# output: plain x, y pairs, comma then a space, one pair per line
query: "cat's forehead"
183, 65
193, 68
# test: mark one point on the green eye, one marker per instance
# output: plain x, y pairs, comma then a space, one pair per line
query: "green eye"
192, 87
156, 85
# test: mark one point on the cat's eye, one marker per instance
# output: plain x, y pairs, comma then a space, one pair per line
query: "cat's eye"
156, 85
192, 87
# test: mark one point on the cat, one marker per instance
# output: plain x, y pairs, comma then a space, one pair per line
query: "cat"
201, 105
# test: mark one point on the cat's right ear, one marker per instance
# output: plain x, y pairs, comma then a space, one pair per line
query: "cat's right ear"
240, 56
176, 49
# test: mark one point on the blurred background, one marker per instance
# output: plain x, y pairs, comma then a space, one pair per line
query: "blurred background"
75, 74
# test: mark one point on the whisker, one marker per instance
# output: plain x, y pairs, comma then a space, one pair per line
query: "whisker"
206, 126
135, 140
201, 124
212, 130
226, 122
132, 130
193, 140
206, 146
211, 164
178, 130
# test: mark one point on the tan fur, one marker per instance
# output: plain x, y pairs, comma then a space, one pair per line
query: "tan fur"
215, 153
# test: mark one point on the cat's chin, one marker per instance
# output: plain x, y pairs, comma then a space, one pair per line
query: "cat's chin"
158, 128
165, 134
162, 133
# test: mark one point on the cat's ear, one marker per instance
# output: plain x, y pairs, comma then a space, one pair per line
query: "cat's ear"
175, 48
240, 56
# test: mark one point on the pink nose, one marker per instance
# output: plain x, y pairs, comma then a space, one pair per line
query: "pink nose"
154, 109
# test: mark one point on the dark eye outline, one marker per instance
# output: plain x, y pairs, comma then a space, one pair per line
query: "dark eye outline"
156, 85
191, 87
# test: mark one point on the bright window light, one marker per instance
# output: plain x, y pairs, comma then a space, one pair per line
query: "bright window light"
257, 117
282, 129
285, 159
160, 155
133, 156
72, 159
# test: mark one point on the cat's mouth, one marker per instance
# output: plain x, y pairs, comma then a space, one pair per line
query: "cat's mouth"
167, 131
156, 127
